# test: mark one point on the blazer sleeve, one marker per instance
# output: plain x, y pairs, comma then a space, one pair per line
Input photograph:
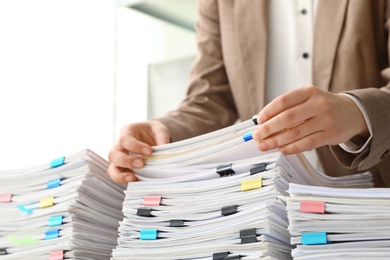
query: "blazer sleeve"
376, 101
209, 104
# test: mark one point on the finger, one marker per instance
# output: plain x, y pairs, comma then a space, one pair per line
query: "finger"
309, 142
133, 145
284, 102
290, 135
162, 136
285, 120
120, 175
122, 158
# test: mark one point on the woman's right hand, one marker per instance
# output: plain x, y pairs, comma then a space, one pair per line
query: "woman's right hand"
135, 141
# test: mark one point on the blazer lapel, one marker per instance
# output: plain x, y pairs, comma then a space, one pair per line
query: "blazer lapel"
328, 26
251, 28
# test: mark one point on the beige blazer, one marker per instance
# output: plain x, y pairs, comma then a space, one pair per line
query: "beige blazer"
351, 53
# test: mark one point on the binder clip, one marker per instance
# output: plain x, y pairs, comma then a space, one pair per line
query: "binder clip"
53, 183
247, 136
228, 210
225, 170
257, 169
57, 162
148, 234
248, 236
220, 255
51, 234
144, 212
5, 197
176, 223
3, 251
56, 255
254, 119
225, 256
314, 238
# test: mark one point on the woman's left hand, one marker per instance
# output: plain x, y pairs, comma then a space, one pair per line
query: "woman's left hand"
306, 118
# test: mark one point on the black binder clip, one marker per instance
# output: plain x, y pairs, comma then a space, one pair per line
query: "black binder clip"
225, 256
248, 236
176, 223
225, 170
254, 119
144, 212
3, 251
228, 210
260, 168
221, 255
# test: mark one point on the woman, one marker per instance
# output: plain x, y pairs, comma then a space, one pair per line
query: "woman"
340, 108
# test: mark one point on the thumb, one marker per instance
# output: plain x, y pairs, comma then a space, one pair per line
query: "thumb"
161, 133
162, 137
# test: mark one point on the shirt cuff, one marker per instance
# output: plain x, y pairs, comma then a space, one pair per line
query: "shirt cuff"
357, 147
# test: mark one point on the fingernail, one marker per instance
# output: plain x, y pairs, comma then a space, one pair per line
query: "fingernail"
256, 135
128, 179
137, 163
263, 146
145, 151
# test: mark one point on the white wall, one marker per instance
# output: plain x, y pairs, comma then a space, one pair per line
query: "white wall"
70, 78
56, 79
144, 41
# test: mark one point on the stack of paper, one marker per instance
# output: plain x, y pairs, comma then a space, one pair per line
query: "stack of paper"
215, 197
68, 209
336, 223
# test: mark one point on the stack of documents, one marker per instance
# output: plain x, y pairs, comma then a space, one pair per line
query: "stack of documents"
339, 223
66, 209
215, 196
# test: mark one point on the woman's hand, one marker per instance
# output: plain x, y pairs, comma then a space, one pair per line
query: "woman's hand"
135, 140
306, 118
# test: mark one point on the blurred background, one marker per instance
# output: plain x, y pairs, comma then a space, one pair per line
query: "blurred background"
72, 73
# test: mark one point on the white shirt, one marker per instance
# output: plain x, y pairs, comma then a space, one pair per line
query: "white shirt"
290, 40
290, 52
